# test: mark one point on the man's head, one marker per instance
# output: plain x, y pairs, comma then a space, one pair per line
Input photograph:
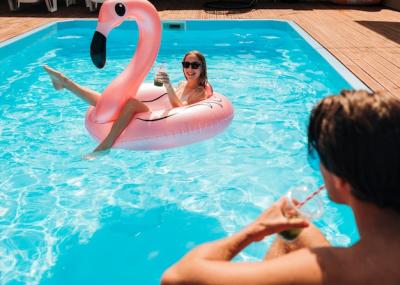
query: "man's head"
356, 135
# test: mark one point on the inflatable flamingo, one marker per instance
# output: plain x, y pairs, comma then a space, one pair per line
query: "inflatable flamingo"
163, 126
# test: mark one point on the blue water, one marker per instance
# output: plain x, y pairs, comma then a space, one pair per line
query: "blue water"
125, 217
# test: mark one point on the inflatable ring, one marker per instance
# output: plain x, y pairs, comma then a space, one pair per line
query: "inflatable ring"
163, 126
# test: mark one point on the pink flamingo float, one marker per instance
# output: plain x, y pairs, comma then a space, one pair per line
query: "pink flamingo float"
163, 126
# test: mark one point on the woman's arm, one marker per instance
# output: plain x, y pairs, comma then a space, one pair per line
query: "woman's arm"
173, 99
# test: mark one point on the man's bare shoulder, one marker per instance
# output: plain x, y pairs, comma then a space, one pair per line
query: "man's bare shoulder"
309, 265
335, 265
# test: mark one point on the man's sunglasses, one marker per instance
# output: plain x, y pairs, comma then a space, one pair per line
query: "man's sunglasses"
194, 65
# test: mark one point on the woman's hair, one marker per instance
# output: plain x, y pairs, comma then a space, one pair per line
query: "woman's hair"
203, 75
356, 135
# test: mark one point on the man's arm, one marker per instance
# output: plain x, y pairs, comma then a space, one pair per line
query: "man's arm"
310, 237
300, 267
209, 263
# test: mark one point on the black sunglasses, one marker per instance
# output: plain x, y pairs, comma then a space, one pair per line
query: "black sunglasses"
194, 65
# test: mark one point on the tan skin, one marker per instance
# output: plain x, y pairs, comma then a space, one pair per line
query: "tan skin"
308, 260
188, 92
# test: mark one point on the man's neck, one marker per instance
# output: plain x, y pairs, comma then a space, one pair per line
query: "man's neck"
374, 222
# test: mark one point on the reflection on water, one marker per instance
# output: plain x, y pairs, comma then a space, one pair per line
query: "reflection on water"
126, 216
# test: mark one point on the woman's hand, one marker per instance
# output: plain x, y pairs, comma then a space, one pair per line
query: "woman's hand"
163, 77
273, 221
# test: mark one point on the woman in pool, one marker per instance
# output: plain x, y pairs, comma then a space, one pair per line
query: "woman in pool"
191, 91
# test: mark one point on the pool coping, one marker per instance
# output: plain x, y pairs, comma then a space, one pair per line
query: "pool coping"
353, 80
339, 67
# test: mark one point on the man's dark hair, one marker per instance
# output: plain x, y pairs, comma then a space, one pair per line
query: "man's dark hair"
356, 135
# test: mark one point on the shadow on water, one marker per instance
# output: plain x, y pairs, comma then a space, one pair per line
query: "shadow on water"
390, 30
132, 248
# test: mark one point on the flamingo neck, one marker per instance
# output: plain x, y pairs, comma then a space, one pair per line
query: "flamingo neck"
144, 57
127, 84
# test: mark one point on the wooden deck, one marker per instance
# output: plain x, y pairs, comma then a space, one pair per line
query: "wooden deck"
366, 40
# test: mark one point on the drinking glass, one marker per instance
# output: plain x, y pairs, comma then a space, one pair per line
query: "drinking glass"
156, 82
304, 203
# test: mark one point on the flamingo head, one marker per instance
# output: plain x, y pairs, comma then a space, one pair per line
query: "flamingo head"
112, 14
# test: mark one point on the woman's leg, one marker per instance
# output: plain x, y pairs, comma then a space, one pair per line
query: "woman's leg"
60, 81
129, 110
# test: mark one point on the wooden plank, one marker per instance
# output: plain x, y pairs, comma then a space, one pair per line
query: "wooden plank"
360, 73
368, 67
390, 70
391, 54
382, 66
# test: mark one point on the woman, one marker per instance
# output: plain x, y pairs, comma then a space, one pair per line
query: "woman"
193, 90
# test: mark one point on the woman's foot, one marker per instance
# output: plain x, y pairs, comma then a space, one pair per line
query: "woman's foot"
102, 149
104, 146
57, 78
93, 155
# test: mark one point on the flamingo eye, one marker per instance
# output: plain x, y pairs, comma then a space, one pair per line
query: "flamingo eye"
120, 9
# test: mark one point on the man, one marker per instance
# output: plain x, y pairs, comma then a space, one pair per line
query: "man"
357, 138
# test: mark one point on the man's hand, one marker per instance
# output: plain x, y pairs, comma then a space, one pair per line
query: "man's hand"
273, 221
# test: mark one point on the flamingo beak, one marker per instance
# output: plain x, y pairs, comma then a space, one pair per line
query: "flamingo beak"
98, 49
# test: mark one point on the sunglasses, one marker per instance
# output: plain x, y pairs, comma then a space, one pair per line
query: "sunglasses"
194, 65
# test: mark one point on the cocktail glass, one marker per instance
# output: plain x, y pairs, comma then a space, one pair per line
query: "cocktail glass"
303, 203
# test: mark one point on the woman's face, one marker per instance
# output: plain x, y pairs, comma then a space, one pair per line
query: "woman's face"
192, 67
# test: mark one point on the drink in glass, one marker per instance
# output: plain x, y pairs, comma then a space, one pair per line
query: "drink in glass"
301, 203
156, 82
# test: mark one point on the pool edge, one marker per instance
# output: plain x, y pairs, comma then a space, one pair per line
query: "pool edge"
336, 64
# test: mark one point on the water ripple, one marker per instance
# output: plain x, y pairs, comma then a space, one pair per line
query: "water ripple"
51, 197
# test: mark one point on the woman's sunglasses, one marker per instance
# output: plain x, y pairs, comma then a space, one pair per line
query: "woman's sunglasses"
194, 65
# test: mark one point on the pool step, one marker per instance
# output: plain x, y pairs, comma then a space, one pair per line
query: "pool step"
174, 25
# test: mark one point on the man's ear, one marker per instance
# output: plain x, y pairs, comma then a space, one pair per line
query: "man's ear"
341, 185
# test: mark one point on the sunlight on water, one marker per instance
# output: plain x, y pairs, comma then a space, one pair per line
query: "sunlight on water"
127, 216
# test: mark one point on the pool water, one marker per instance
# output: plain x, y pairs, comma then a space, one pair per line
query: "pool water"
126, 216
